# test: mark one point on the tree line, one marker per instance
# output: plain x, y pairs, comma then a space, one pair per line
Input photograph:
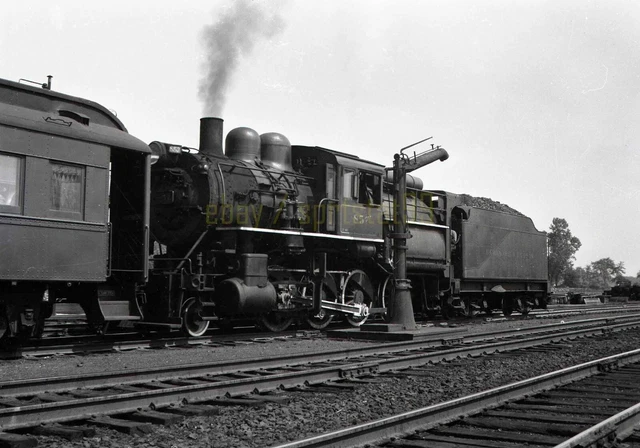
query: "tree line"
562, 246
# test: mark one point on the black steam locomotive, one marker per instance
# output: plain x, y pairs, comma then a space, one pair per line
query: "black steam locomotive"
173, 237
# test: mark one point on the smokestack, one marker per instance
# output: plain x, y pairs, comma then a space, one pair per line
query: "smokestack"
211, 136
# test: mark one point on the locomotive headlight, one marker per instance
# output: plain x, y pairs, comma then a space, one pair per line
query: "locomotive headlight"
201, 168
154, 157
157, 152
164, 154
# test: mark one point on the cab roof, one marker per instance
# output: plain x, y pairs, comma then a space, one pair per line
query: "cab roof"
340, 158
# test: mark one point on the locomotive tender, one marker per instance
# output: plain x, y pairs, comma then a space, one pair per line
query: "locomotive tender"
173, 237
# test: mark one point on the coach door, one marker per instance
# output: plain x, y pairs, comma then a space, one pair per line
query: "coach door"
129, 215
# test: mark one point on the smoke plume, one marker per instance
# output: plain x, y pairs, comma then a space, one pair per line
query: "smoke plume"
232, 36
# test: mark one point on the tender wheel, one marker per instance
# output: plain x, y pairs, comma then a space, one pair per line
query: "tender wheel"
507, 307
321, 320
357, 289
431, 313
449, 312
3, 327
192, 322
468, 309
522, 306
275, 322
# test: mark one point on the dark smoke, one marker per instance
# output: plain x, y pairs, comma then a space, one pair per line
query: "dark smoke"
233, 36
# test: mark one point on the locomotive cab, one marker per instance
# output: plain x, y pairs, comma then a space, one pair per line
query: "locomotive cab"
347, 197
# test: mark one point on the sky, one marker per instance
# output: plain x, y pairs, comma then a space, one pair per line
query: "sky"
537, 102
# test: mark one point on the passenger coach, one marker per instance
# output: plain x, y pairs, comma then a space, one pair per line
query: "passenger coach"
63, 230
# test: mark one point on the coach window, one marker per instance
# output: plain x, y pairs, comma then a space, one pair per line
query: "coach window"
10, 183
67, 190
369, 188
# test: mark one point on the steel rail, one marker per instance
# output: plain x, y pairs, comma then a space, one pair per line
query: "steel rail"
255, 379
544, 314
550, 327
431, 416
133, 344
438, 347
615, 428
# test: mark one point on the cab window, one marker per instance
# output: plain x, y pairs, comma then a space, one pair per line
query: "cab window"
348, 178
369, 191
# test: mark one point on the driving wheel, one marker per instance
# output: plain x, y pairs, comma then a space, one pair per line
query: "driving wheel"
357, 289
192, 322
321, 320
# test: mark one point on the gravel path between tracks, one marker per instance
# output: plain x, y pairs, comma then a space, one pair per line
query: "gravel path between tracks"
310, 414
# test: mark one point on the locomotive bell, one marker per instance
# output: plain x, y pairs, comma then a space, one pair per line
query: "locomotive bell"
243, 144
276, 151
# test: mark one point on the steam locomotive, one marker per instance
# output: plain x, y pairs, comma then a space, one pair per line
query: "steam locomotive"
170, 237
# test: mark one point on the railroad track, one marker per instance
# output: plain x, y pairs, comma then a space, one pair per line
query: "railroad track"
582, 309
160, 391
594, 404
123, 341
73, 345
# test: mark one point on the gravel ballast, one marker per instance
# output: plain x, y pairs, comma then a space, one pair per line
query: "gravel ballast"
310, 414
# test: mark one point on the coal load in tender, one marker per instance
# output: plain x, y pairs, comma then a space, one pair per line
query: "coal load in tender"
487, 204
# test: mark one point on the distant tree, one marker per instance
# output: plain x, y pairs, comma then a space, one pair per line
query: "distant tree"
573, 277
583, 277
638, 274
592, 279
562, 249
605, 269
620, 279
